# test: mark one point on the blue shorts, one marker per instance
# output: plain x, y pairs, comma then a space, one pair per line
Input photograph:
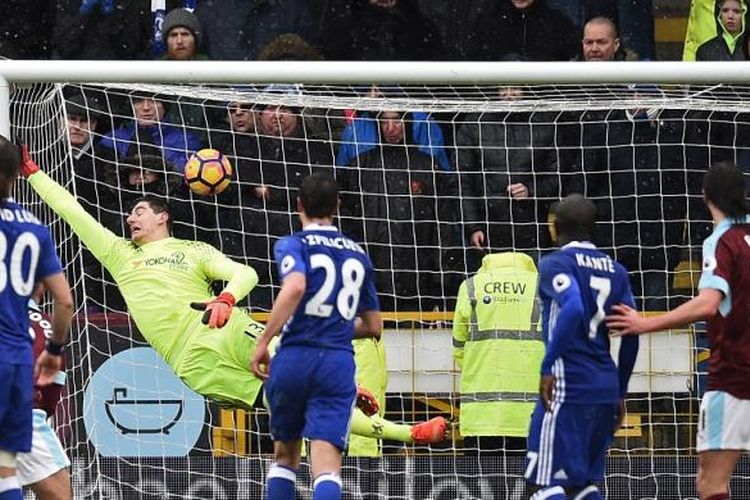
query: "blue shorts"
568, 445
16, 405
311, 394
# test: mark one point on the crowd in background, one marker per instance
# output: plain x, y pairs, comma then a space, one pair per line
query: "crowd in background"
427, 194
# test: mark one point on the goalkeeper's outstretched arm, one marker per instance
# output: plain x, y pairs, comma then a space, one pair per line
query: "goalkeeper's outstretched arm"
98, 239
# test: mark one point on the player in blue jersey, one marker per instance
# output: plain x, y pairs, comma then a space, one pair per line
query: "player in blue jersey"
582, 391
27, 256
327, 298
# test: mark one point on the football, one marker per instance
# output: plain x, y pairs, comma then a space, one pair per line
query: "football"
208, 172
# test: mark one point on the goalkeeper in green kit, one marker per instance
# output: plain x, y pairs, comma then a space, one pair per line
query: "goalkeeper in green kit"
164, 280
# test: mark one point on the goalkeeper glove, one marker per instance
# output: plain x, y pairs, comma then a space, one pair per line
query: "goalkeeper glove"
367, 402
28, 166
218, 310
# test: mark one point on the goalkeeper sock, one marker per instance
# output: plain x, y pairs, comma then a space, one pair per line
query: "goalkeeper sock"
280, 483
378, 427
10, 488
327, 486
719, 496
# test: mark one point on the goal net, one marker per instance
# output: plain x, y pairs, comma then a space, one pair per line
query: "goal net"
432, 178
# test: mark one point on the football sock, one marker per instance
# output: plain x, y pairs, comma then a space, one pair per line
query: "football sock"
280, 483
327, 486
10, 488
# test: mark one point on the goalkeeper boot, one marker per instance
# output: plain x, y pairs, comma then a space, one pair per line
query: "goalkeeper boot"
432, 431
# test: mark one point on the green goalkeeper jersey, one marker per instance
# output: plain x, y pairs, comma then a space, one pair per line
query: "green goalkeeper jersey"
158, 280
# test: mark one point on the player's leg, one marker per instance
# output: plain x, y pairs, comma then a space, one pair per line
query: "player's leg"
597, 424
369, 358
723, 432
16, 403
286, 393
282, 475
556, 459
715, 469
327, 417
55, 487
326, 470
431, 431
44, 468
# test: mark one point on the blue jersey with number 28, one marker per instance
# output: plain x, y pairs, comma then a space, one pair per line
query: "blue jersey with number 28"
27, 255
340, 284
578, 286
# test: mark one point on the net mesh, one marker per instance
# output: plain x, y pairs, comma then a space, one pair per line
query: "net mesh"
423, 171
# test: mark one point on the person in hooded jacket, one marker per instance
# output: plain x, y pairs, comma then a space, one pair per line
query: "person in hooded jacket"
150, 128
728, 44
529, 29
397, 200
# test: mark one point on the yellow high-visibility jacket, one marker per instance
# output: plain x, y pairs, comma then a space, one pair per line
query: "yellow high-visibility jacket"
497, 343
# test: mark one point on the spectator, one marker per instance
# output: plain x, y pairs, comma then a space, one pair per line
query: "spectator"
90, 169
509, 173
182, 32
25, 29
92, 176
378, 30
239, 29
728, 44
361, 135
285, 157
149, 128
100, 30
237, 209
637, 159
529, 30
601, 41
394, 197
701, 25
322, 124
143, 174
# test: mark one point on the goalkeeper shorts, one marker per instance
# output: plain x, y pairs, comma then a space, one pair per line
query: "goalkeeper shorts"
216, 363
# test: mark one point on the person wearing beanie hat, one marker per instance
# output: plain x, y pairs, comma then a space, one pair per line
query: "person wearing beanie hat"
182, 32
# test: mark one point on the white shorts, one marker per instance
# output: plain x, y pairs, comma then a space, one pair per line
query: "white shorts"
724, 422
46, 456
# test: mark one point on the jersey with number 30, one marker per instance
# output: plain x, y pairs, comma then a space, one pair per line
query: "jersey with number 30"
340, 284
578, 285
27, 255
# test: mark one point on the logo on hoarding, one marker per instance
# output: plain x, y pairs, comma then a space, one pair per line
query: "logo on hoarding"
135, 405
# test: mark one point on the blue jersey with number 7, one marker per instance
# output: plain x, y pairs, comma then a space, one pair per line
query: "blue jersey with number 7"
578, 286
27, 255
340, 284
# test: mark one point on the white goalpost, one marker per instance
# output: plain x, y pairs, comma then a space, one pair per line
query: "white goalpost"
634, 137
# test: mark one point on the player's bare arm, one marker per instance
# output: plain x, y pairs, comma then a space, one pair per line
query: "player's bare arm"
369, 324
49, 362
292, 291
627, 321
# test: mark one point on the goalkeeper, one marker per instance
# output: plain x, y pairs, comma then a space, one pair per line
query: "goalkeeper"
159, 275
